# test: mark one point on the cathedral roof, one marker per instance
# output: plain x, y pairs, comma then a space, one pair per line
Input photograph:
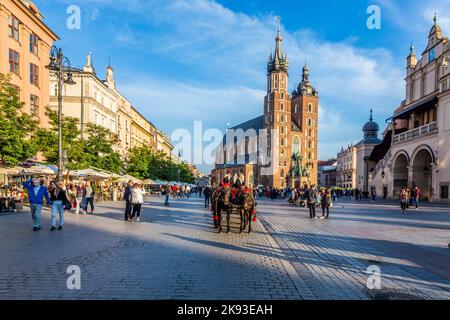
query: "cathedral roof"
370, 130
371, 125
255, 123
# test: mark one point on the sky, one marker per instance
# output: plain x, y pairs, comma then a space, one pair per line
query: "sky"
180, 61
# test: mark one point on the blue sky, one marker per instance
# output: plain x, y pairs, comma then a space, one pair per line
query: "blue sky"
184, 60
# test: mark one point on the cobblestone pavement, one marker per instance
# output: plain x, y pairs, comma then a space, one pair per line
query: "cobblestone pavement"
174, 253
332, 256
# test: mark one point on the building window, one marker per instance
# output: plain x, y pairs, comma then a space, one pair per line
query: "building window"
13, 27
296, 108
282, 96
34, 105
296, 145
444, 191
34, 44
34, 74
310, 107
282, 106
14, 61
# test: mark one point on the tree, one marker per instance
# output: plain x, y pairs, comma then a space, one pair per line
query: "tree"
47, 140
17, 128
99, 149
144, 162
96, 151
138, 161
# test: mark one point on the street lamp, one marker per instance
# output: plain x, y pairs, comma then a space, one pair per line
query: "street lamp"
63, 71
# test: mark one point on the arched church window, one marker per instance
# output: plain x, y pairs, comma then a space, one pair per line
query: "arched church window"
296, 145
282, 96
282, 106
310, 107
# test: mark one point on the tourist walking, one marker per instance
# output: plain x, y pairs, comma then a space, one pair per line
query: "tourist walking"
416, 196
404, 198
127, 199
312, 200
167, 190
88, 195
59, 199
137, 199
325, 203
207, 194
36, 194
373, 196
334, 196
79, 197
188, 191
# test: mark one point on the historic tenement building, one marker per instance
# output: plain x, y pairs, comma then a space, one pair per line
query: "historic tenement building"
25, 42
418, 138
278, 148
98, 101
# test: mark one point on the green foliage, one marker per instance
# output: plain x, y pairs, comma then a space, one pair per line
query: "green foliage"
17, 129
96, 150
144, 163
47, 140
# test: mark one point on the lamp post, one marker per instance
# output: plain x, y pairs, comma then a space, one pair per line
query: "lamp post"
63, 71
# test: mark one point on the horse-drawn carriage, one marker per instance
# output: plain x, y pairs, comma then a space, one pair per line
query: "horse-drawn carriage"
236, 200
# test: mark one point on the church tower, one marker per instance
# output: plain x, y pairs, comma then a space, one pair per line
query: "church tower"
305, 119
277, 117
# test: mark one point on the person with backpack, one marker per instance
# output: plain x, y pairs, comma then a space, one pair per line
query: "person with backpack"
59, 199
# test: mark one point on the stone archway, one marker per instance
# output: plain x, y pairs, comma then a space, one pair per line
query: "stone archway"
400, 174
422, 173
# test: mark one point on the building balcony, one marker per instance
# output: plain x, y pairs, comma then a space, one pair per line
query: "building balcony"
426, 130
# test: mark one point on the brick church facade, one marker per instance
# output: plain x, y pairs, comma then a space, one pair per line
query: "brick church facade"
279, 148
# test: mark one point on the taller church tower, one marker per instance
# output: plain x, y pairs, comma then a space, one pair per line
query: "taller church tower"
277, 118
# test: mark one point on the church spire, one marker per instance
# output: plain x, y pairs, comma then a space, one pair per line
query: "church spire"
278, 39
435, 18
278, 61
371, 116
305, 75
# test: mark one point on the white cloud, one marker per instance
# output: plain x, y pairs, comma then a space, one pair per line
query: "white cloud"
174, 103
